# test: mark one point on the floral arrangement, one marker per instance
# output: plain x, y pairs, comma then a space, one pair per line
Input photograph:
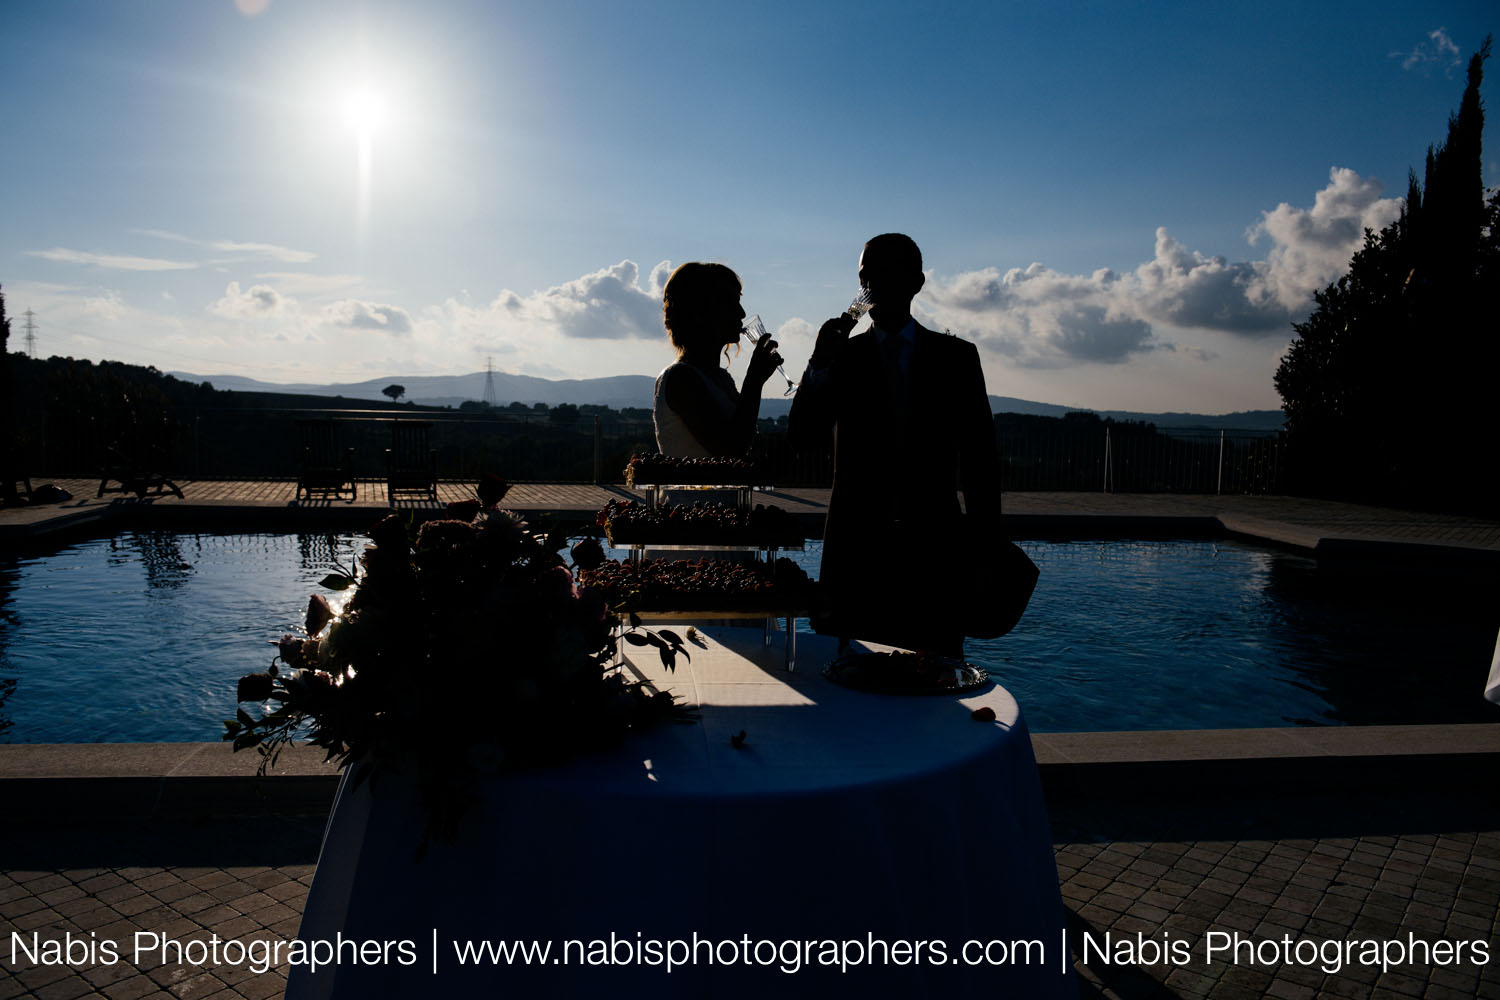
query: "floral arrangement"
465, 648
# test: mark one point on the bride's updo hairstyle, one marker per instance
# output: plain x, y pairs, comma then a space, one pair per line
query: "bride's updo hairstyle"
693, 295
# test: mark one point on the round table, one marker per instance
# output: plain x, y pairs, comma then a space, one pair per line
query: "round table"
889, 844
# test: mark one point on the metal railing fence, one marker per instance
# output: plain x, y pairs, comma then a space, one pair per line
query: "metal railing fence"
1037, 454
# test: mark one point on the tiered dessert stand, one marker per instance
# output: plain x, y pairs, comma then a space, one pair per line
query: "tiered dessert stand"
766, 550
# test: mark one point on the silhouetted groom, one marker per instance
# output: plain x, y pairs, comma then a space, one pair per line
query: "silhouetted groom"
910, 421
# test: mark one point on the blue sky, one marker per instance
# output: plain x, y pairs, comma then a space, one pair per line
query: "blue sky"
1124, 207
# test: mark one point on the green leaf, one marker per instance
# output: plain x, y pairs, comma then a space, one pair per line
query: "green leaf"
635, 620
337, 581
244, 717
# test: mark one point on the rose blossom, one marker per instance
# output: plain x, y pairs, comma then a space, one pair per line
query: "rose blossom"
319, 613
588, 554
254, 687
556, 584
290, 648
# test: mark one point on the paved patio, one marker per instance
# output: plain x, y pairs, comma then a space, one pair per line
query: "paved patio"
1378, 866
1322, 525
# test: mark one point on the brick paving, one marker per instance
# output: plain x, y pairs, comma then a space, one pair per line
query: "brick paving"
1139, 869
1378, 868
244, 879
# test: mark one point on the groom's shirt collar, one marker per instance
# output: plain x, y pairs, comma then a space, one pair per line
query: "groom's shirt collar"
907, 333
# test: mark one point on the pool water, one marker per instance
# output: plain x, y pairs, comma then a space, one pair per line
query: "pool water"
141, 637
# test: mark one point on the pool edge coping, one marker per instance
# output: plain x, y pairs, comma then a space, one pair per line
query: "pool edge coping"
80, 780
1304, 538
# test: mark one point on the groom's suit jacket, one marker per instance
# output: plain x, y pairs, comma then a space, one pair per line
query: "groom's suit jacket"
894, 565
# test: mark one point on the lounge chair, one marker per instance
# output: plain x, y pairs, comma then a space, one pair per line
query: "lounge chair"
128, 472
322, 467
410, 461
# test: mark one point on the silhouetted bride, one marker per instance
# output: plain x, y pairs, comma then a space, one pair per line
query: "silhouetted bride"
697, 410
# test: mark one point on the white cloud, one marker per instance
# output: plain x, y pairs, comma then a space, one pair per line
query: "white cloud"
1437, 49
1039, 318
255, 302
133, 262
107, 306
367, 316
301, 283
797, 333
1181, 287
1312, 247
283, 254
114, 262
606, 305
659, 275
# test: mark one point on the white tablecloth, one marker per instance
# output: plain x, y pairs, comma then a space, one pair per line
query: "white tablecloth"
1492, 686
848, 823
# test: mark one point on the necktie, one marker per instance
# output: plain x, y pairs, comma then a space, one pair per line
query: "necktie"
893, 351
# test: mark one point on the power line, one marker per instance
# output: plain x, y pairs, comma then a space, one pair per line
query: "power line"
30, 329
489, 381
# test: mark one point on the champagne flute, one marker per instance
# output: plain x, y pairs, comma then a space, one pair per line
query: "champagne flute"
756, 331
861, 304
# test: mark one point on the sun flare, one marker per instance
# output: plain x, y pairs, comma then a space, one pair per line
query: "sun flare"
364, 112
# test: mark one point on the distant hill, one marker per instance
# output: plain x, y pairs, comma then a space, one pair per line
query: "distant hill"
619, 391
1244, 420
450, 390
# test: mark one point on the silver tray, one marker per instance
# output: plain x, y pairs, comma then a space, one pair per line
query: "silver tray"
903, 673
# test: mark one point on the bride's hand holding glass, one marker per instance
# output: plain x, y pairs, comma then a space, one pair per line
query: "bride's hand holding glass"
764, 358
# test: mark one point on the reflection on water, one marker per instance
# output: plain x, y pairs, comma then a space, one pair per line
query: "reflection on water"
319, 552
161, 558
1387, 645
7, 688
1125, 635
9, 574
142, 636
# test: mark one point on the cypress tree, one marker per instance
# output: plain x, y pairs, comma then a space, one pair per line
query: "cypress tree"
1384, 385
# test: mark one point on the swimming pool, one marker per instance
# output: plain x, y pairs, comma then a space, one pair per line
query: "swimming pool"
141, 636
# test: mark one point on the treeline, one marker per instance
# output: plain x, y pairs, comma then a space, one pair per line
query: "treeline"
562, 413
71, 414
78, 416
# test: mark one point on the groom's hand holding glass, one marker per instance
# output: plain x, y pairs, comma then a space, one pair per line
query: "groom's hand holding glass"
833, 334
